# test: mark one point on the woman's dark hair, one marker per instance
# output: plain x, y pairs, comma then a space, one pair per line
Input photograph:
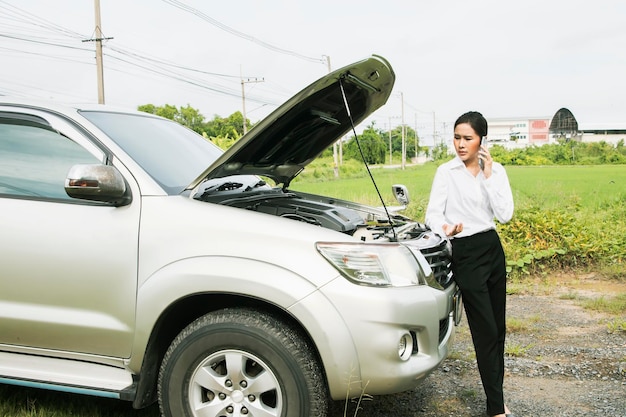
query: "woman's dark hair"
474, 119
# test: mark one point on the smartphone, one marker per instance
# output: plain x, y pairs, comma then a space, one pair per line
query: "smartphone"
481, 164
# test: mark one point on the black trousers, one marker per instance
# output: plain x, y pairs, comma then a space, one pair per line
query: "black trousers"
479, 269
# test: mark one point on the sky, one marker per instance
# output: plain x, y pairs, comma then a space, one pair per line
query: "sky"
505, 59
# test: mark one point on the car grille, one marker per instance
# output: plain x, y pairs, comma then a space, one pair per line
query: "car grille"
439, 259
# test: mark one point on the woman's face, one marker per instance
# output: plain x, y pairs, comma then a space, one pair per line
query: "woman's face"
466, 143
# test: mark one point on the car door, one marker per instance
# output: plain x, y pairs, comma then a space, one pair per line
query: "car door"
68, 267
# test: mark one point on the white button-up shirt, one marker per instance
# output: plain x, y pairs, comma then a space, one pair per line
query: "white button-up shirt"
459, 197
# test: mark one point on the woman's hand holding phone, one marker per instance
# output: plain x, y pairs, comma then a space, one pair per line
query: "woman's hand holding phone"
484, 158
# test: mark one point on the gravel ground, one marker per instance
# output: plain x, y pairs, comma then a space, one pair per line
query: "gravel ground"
566, 363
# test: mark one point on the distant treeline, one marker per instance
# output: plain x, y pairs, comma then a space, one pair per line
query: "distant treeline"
563, 153
374, 144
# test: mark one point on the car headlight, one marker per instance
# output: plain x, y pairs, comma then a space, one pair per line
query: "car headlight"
380, 264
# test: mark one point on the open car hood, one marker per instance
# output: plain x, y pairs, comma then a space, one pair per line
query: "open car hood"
282, 144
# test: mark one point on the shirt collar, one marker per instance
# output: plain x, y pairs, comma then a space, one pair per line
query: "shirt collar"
456, 163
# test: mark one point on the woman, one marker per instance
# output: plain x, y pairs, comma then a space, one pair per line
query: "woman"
468, 192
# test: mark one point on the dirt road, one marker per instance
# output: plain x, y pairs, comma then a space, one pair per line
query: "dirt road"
564, 360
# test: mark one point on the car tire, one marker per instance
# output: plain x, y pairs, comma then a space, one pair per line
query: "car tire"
241, 362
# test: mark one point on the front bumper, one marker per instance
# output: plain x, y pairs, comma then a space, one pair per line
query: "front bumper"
376, 319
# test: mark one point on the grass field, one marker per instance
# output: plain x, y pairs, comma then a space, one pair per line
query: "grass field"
548, 187
590, 187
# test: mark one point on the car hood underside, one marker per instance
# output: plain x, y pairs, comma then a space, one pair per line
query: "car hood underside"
283, 143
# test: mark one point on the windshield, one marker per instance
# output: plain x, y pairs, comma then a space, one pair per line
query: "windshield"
171, 154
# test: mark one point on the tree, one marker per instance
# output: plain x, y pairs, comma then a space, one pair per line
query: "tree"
411, 140
372, 144
186, 116
147, 108
190, 117
231, 126
221, 131
440, 152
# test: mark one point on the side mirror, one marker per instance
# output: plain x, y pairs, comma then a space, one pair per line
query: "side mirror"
401, 193
97, 182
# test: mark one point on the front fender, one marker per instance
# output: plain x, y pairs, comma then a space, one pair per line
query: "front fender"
284, 289
215, 275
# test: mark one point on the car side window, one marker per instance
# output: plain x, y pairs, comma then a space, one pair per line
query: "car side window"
35, 158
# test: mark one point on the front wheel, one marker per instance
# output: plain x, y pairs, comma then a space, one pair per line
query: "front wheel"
241, 362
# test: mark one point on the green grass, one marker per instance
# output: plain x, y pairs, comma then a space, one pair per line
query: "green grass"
551, 187
548, 187
358, 186
516, 349
26, 402
515, 325
616, 325
612, 305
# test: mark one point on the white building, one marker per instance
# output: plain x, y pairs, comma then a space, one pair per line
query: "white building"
521, 132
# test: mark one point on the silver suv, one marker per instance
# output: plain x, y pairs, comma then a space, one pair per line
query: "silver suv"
130, 270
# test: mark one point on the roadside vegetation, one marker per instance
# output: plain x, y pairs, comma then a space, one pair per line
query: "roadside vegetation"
566, 216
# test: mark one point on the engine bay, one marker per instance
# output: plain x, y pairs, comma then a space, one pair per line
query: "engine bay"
361, 221
365, 223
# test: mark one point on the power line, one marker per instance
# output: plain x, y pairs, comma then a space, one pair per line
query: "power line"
34, 20
29, 28
43, 42
145, 63
140, 57
177, 77
171, 70
242, 35
45, 56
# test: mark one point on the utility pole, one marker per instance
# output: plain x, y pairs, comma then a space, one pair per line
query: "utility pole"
390, 148
243, 99
416, 153
390, 137
444, 134
99, 65
403, 134
434, 137
336, 145
341, 152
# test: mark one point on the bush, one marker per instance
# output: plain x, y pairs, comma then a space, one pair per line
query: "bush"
565, 153
539, 241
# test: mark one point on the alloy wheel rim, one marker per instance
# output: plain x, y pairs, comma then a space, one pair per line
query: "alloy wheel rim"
234, 383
